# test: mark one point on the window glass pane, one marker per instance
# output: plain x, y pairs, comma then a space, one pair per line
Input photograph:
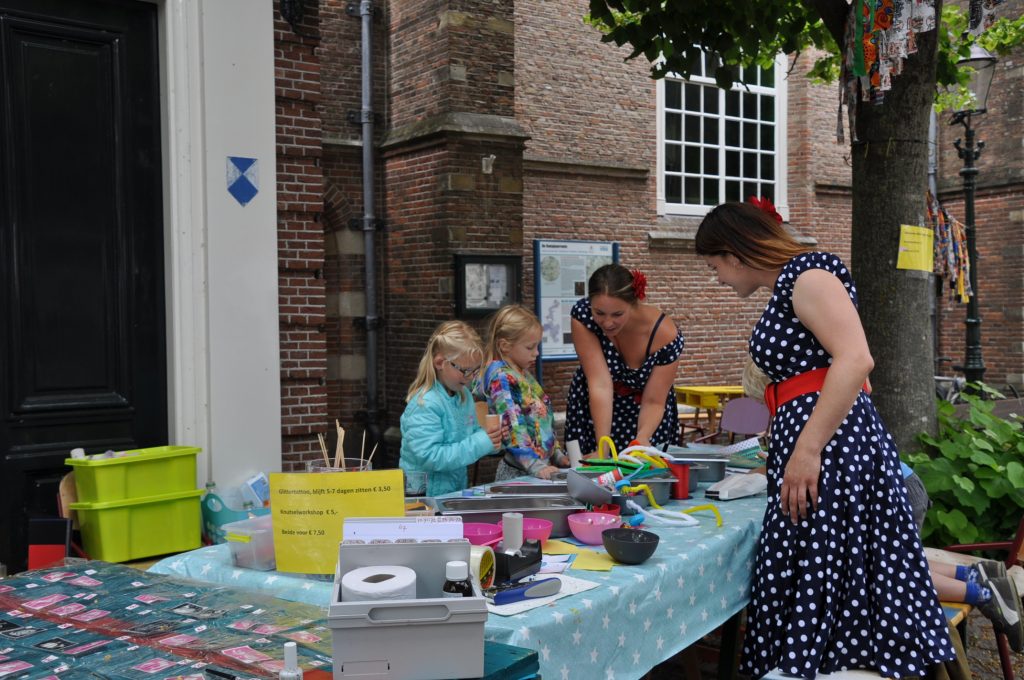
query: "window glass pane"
692, 128
692, 154
697, 65
732, 163
732, 103
767, 166
750, 167
732, 133
749, 189
673, 127
673, 158
693, 97
710, 99
767, 108
768, 191
711, 131
673, 94
750, 105
710, 162
750, 135
693, 190
732, 191
710, 192
768, 137
768, 77
673, 189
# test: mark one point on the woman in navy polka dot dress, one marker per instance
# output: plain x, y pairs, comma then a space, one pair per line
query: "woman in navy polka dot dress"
840, 580
628, 353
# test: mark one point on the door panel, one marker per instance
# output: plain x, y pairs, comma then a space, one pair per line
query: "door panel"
82, 355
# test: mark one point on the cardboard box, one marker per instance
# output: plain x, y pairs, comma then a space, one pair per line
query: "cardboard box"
429, 638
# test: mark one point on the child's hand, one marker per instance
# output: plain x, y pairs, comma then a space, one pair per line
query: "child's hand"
547, 472
495, 433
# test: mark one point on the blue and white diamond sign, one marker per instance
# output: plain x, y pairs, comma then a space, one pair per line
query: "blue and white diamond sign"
243, 178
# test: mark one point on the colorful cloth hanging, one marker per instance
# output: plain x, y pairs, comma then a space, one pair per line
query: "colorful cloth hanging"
981, 14
952, 259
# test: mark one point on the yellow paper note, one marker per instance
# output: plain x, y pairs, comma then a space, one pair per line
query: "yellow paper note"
309, 508
556, 547
590, 560
916, 250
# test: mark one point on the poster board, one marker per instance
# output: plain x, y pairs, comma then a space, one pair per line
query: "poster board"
561, 271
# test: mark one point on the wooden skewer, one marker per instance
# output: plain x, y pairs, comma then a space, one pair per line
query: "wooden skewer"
371, 453
362, 449
323, 448
339, 452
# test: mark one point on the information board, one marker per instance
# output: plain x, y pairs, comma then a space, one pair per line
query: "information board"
561, 271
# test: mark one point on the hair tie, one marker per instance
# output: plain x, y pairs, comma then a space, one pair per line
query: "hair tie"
639, 284
765, 204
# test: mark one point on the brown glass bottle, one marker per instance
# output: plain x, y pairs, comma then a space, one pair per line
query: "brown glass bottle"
456, 574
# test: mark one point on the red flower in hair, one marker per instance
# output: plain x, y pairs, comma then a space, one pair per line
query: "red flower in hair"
639, 284
766, 205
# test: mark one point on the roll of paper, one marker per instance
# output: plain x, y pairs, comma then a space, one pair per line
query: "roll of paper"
481, 565
511, 532
378, 583
572, 448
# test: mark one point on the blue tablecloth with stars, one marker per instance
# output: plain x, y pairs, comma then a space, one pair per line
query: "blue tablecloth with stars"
639, 616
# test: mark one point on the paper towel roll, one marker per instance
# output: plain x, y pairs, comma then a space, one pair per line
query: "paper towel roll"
378, 583
481, 565
511, 532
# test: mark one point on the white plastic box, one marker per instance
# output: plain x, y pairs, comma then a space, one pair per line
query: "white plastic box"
429, 638
252, 543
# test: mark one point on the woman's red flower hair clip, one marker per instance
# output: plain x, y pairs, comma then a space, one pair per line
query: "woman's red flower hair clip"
639, 284
765, 204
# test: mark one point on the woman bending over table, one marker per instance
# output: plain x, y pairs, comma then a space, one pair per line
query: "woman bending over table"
628, 352
840, 580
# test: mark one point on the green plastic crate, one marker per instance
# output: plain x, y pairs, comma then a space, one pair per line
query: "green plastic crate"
135, 474
119, 531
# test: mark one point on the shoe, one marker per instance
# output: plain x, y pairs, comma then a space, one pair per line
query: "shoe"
990, 569
1004, 610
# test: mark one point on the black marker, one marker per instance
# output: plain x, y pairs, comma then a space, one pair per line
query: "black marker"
220, 674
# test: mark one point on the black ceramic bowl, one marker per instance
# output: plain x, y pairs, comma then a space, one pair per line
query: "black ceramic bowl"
629, 546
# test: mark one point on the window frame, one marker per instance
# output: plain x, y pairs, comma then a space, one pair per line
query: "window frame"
781, 144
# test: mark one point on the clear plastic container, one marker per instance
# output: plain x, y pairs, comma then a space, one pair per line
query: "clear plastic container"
252, 543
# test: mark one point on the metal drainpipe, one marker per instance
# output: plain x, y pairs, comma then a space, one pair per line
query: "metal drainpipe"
369, 222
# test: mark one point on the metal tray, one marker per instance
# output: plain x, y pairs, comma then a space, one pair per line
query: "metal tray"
490, 508
528, 489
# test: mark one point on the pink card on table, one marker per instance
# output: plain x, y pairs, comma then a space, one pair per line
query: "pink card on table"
91, 615
154, 665
44, 602
68, 609
246, 654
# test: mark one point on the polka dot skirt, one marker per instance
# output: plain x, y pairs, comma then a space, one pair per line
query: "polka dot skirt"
630, 383
847, 588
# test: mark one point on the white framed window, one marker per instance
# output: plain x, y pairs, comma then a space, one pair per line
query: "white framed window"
719, 145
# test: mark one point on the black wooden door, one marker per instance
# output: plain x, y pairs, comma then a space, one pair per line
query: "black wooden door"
82, 347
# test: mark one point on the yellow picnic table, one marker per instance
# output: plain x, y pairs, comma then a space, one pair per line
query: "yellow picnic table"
709, 398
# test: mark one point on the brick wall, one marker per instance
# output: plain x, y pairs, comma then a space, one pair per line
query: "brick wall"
300, 236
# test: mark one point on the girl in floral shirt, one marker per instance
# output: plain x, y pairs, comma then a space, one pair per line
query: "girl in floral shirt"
512, 392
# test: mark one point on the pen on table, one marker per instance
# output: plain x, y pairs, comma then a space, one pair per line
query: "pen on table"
220, 674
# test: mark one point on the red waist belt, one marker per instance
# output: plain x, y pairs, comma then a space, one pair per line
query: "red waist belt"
777, 394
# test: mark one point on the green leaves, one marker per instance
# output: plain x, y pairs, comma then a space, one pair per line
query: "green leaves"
974, 473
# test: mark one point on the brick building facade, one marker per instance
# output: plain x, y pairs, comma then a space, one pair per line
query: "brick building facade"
573, 129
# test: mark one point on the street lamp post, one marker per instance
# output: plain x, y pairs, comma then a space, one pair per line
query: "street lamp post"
983, 64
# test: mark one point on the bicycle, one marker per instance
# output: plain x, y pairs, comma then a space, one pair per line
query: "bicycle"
948, 387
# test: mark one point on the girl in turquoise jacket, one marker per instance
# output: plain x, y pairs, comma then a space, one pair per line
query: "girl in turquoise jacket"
440, 433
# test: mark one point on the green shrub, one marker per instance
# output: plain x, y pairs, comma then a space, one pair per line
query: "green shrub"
974, 473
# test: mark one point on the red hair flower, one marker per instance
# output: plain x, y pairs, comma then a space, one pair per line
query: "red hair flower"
765, 204
639, 284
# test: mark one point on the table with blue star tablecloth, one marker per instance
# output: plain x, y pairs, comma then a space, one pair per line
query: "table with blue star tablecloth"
639, 616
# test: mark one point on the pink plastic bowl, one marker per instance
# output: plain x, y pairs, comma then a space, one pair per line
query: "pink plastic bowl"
479, 533
537, 529
587, 526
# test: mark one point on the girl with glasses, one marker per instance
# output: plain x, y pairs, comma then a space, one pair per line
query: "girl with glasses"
512, 392
440, 433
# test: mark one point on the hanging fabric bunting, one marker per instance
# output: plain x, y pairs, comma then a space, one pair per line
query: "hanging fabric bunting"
951, 257
980, 15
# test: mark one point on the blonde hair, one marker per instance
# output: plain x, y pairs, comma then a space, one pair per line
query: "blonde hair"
754, 380
451, 339
509, 323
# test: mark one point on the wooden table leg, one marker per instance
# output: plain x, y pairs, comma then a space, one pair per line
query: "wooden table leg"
728, 652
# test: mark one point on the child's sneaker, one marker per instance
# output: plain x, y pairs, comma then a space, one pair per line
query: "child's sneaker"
990, 569
1004, 610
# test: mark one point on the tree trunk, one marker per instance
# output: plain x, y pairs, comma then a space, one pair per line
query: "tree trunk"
890, 168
